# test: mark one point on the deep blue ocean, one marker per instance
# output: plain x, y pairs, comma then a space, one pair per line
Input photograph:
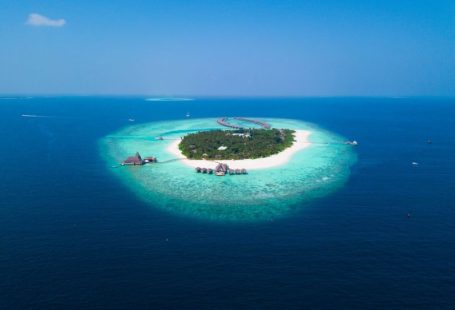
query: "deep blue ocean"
73, 237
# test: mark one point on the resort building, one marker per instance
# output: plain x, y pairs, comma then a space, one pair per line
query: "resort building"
137, 160
150, 159
243, 135
221, 169
134, 160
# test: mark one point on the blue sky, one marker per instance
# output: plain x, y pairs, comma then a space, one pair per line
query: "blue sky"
228, 48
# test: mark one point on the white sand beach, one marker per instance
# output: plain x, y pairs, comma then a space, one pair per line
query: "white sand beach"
301, 142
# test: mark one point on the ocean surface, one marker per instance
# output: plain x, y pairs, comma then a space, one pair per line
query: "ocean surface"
73, 236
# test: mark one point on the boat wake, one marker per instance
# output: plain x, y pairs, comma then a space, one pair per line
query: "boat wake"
35, 116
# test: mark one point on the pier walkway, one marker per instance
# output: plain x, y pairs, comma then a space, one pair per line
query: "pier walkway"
225, 122
254, 121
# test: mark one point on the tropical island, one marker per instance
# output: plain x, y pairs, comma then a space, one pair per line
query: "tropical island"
236, 144
272, 186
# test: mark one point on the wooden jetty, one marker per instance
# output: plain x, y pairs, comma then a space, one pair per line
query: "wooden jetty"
225, 122
254, 121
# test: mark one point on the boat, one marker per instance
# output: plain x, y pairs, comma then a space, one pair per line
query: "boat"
188, 114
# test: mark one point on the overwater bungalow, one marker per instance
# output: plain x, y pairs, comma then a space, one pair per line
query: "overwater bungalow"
221, 169
135, 160
150, 159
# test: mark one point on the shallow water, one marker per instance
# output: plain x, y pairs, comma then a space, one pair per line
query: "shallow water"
263, 194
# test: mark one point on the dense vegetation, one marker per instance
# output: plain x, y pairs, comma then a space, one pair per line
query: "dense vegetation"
236, 144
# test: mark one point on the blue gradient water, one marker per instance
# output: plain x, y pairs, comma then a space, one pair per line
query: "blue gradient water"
73, 236
263, 195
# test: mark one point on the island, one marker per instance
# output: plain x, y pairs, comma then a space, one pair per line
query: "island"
288, 164
236, 144
264, 151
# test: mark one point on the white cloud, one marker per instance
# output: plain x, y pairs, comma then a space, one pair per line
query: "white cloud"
38, 20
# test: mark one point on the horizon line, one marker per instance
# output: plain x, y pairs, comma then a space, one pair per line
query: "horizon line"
145, 96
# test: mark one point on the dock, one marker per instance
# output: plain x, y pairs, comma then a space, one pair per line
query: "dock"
254, 121
225, 122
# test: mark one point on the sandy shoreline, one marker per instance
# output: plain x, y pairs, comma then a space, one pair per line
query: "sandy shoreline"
301, 142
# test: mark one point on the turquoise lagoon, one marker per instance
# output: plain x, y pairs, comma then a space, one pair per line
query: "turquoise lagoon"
265, 194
